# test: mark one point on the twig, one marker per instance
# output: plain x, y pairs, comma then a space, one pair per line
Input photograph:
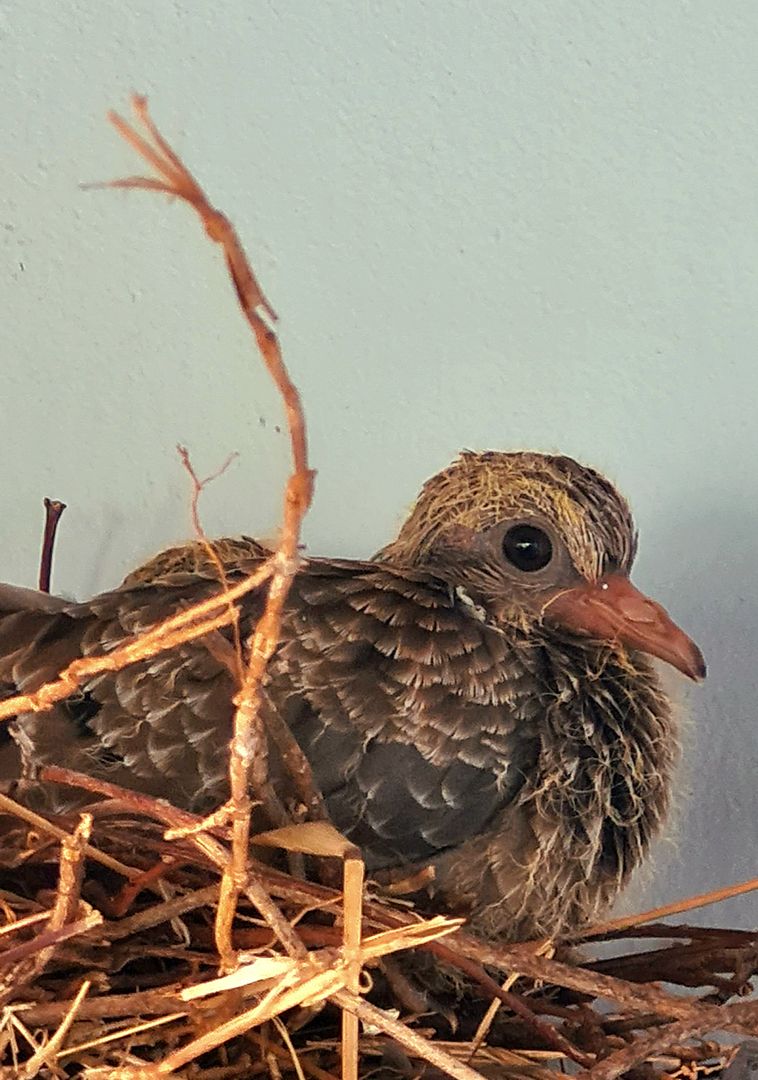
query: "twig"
175, 818
647, 1046
198, 486
637, 997
10, 806
493, 1008
53, 510
71, 868
248, 759
49, 938
715, 896
160, 913
71, 865
106, 1007
147, 880
419, 1046
516, 1004
44, 1056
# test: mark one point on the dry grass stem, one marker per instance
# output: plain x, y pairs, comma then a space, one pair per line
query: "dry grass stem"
691, 903
47, 1053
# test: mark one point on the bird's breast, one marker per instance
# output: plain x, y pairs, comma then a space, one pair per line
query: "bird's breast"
588, 809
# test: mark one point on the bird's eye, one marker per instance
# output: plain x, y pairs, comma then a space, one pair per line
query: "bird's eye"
527, 548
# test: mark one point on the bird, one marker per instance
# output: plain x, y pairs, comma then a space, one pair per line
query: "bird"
481, 700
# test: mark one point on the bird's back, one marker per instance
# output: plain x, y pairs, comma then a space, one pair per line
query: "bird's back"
409, 709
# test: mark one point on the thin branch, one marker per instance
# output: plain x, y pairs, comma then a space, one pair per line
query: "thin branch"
161, 913
646, 1046
516, 1003
174, 818
419, 1046
198, 486
71, 869
53, 511
715, 896
248, 758
41, 824
46, 1054
636, 997
249, 744
50, 937
107, 1006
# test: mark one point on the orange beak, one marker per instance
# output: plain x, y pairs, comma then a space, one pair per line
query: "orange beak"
611, 609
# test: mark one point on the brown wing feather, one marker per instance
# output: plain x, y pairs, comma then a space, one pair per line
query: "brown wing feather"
414, 715
158, 726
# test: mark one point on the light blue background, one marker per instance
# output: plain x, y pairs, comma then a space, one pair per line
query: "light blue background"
487, 225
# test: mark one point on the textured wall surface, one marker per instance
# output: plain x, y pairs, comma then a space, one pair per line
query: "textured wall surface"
495, 225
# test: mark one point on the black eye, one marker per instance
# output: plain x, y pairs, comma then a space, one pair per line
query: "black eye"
527, 547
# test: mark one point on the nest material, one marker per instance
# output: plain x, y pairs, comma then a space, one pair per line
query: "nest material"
110, 968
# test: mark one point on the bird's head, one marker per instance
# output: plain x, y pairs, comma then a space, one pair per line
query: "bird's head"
539, 539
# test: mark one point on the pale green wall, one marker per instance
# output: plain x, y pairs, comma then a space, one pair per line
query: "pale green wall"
494, 224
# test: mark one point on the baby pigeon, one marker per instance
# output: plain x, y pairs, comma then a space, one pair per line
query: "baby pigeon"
478, 698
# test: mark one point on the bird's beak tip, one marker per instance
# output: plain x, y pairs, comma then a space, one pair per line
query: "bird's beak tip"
698, 669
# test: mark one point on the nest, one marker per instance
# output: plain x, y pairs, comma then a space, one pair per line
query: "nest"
140, 941
111, 962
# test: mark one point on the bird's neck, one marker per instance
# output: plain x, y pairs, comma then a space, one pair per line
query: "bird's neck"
594, 796
610, 747
597, 794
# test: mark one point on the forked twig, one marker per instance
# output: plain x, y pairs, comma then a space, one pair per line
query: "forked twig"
42, 825
248, 759
198, 486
